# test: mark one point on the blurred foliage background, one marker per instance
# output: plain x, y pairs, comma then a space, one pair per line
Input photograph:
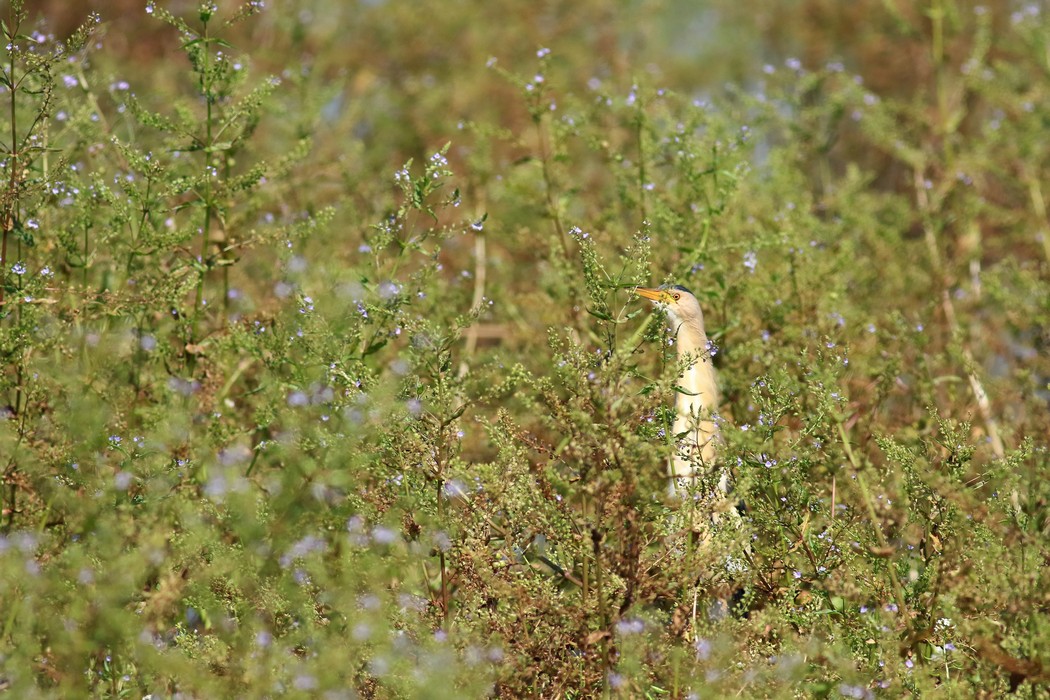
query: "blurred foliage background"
322, 374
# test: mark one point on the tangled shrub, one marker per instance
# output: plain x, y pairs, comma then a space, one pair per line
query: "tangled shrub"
323, 374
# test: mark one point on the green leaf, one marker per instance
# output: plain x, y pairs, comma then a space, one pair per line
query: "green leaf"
374, 348
600, 314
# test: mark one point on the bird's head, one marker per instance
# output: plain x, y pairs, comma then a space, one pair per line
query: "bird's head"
677, 301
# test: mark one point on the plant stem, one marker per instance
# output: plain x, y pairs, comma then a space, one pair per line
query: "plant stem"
11, 205
984, 405
441, 559
865, 495
640, 136
548, 186
206, 89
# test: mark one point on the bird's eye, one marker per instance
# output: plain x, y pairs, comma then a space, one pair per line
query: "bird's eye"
676, 296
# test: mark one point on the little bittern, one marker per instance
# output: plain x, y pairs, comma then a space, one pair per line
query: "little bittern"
694, 461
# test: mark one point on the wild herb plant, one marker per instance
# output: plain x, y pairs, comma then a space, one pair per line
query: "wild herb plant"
324, 376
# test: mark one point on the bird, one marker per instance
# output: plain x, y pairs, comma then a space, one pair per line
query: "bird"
694, 468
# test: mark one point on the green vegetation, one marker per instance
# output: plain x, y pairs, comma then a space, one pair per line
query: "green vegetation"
322, 375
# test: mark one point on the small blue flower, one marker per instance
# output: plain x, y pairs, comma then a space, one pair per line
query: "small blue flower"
383, 535
630, 626
751, 260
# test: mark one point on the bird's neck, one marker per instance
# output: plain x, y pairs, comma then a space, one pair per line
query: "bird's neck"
699, 381
691, 340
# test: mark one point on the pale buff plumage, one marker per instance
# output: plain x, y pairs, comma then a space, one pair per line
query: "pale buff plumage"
695, 462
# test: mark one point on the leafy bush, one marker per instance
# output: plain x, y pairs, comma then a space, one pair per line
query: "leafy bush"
323, 374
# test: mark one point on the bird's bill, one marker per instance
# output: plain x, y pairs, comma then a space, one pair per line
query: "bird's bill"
650, 294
